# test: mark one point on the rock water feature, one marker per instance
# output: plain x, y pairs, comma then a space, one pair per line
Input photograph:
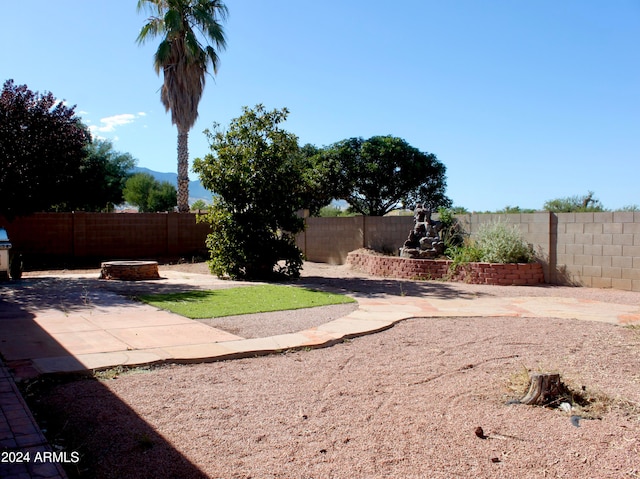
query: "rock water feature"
424, 241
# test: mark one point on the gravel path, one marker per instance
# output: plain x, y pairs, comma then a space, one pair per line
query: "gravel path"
404, 403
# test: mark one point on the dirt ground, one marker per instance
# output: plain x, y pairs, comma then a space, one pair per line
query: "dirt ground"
403, 403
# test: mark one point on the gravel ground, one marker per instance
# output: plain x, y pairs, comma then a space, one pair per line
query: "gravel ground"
403, 403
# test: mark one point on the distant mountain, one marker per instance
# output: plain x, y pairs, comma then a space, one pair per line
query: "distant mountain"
196, 190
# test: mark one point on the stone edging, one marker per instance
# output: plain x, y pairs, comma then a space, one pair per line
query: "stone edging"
520, 274
129, 270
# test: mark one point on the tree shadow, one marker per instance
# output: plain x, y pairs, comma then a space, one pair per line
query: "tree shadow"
69, 294
109, 436
377, 287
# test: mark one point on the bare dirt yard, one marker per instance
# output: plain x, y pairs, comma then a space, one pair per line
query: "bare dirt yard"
403, 403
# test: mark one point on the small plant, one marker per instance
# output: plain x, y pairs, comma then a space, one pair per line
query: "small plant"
465, 253
453, 234
144, 441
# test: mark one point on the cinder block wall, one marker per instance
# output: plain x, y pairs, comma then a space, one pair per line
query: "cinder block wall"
386, 233
601, 250
535, 228
89, 237
328, 240
590, 249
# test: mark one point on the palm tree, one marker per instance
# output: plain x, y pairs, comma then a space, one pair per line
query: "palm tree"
184, 61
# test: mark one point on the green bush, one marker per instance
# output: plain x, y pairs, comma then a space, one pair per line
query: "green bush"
257, 174
495, 243
467, 252
453, 234
502, 243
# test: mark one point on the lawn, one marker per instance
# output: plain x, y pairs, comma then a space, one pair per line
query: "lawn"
243, 300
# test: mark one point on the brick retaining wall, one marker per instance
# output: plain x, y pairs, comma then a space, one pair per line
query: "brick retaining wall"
521, 274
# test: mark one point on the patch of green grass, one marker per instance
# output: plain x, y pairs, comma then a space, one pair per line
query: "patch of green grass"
244, 300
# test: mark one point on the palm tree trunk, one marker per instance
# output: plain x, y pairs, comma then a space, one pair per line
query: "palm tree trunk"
183, 170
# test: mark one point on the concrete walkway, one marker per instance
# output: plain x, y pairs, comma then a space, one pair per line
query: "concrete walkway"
77, 323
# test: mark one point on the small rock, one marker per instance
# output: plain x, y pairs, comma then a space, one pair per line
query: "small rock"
565, 406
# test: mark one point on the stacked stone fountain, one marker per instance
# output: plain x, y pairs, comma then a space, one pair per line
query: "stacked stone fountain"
424, 241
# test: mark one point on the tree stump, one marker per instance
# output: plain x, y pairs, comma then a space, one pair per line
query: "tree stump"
544, 389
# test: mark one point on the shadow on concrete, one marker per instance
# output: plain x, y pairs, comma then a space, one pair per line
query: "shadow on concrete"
73, 293
113, 441
372, 287
22, 339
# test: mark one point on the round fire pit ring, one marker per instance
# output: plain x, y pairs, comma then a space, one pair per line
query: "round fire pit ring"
129, 270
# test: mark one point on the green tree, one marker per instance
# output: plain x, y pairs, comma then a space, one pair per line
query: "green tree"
185, 60
42, 148
458, 210
163, 197
148, 194
574, 204
258, 175
507, 210
102, 177
198, 205
377, 175
631, 207
331, 211
323, 178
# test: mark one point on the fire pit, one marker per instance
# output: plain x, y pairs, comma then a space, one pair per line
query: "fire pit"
129, 270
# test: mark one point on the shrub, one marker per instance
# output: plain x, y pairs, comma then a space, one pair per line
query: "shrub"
257, 174
453, 234
503, 243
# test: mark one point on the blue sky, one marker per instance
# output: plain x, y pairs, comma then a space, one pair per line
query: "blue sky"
522, 101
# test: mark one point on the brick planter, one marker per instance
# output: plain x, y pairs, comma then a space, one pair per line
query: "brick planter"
521, 274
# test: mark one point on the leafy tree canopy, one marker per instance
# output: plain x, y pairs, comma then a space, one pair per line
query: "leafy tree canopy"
42, 149
102, 177
376, 175
574, 204
199, 205
258, 175
150, 195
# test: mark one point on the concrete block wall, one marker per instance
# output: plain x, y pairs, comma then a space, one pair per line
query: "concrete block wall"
81, 237
590, 249
386, 233
141, 236
42, 233
601, 250
328, 240
536, 229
